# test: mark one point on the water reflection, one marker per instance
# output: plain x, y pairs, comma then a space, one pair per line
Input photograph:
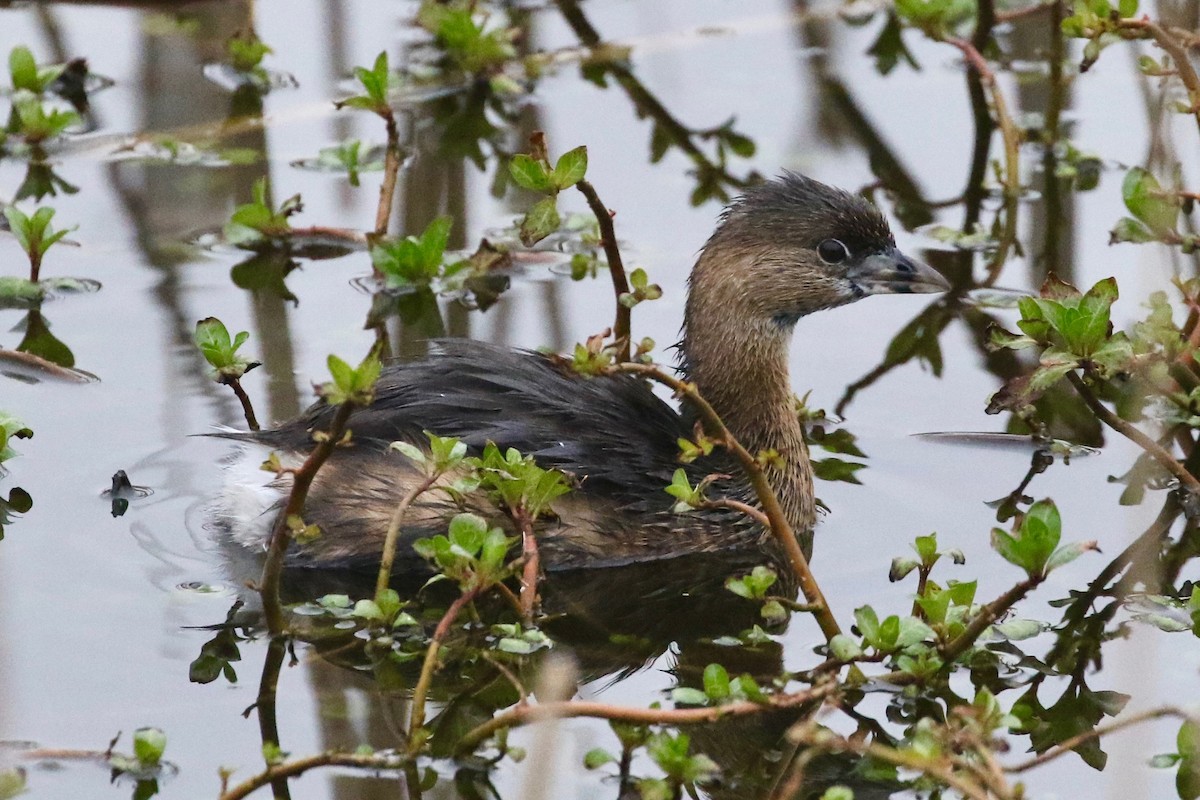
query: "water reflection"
623, 621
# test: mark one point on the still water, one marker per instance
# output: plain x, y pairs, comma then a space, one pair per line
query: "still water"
98, 614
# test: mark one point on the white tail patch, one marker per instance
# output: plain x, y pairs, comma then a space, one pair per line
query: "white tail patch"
252, 496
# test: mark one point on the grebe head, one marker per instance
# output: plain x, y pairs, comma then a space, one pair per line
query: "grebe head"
792, 246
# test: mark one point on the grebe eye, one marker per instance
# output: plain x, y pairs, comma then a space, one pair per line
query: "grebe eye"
833, 251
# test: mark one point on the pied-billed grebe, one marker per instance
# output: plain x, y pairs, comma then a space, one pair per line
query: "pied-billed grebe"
784, 249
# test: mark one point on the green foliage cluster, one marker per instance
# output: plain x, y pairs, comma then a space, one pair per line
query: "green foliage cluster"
534, 172
463, 34
35, 234
220, 351
34, 117
1098, 21
1156, 213
472, 553
355, 385
258, 224
11, 428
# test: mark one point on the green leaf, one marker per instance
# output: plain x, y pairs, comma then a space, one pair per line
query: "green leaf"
571, 168
685, 695
597, 757
530, 173
837, 469
148, 745
468, 531
1130, 230
23, 69
409, 451
541, 221
1068, 553
838, 793
1147, 201
368, 610
212, 338
844, 648
12, 782
716, 682
868, 625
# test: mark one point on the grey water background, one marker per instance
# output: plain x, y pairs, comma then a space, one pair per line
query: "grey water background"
95, 611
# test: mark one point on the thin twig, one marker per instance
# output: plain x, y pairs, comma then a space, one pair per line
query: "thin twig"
393, 533
1067, 745
737, 505
531, 572
527, 713
616, 268
391, 170
779, 526
244, 399
421, 690
1131, 432
1178, 53
302, 479
264, 706
988, 615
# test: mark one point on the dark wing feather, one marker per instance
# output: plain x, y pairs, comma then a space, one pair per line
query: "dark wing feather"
612, 433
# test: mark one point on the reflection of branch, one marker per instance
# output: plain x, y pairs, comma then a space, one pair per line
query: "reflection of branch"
421, 690
1131, 432
268, 725
1187, 73
647, 104
1012, 146
929, 323
912, 208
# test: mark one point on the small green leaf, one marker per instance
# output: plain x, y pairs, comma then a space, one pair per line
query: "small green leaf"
844, 648
1146, 200
716, 682
838, 793
148, 745
685, 695
23, 69
571, 168
1130, 230
541, 221
12, 782
597, 757
530, 173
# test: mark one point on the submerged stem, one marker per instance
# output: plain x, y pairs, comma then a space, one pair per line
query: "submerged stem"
280, 537
388, 557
